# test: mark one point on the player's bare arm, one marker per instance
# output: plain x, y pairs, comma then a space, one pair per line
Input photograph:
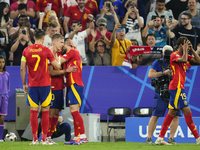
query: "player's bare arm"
55, 64
196, 58
184, 48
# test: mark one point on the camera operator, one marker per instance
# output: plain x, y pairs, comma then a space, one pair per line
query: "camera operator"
159, 70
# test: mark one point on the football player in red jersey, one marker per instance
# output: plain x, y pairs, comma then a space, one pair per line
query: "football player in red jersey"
36, 57
178, 99
74, 91
57, 85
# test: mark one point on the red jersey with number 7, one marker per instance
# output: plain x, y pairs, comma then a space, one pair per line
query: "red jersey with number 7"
178, 71
73, 58
36, 57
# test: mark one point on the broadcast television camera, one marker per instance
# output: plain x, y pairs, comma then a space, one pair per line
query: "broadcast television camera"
161, 84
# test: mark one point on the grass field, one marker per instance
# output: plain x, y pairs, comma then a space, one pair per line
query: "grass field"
97, 146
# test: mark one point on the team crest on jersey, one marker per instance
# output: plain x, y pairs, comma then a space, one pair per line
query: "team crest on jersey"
45, 1
90, 5
55, 1
37, 0
85, 16
185, 102
116, 7
75, 14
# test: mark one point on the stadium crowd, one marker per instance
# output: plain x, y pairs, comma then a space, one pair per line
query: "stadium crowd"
113, 23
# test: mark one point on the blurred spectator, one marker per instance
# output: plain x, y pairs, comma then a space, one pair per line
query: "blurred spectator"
53, 28
78, 37
161, 12
160, 32
48, 5
134, 23
148, 59
140, 7
18, 46
22, 10
150, 6
119, 45
91, 5
134, 42
192, 5
177, 6
100, 55
108, 12
49, 17
101, 23
68, 3
5, 1
5, 21
79, 13
150, 39
118, 7
22, 21
14, 13
135, 60
5, 25
187, 30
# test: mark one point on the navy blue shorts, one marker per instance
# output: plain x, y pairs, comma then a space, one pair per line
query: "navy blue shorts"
160, 106
74, 95
57, 100
178, 99
39, 95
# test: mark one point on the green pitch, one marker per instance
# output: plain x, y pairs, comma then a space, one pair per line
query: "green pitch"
97, 146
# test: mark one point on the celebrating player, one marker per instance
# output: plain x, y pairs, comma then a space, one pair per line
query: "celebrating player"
178, 99
4, 88
74, 91
35, 58
57, 85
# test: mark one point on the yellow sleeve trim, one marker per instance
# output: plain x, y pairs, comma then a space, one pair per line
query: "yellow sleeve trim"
23, 58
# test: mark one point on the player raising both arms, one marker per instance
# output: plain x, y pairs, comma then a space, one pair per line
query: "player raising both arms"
36, 57
57, 85
74, 91
178, 99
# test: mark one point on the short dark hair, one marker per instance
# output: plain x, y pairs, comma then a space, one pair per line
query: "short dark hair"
150, 34
53, 24
57, 36
74, 21
181, 40
66, 40
4, 68
135, 41
130, 3
160, 1
107, 1
39, 34
22, 6
187, 14
22, 16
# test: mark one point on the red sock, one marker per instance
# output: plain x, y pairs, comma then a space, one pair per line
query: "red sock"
49, 129
53, 125
165, 126
45, 124
79, 122
191, 125
34, 124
